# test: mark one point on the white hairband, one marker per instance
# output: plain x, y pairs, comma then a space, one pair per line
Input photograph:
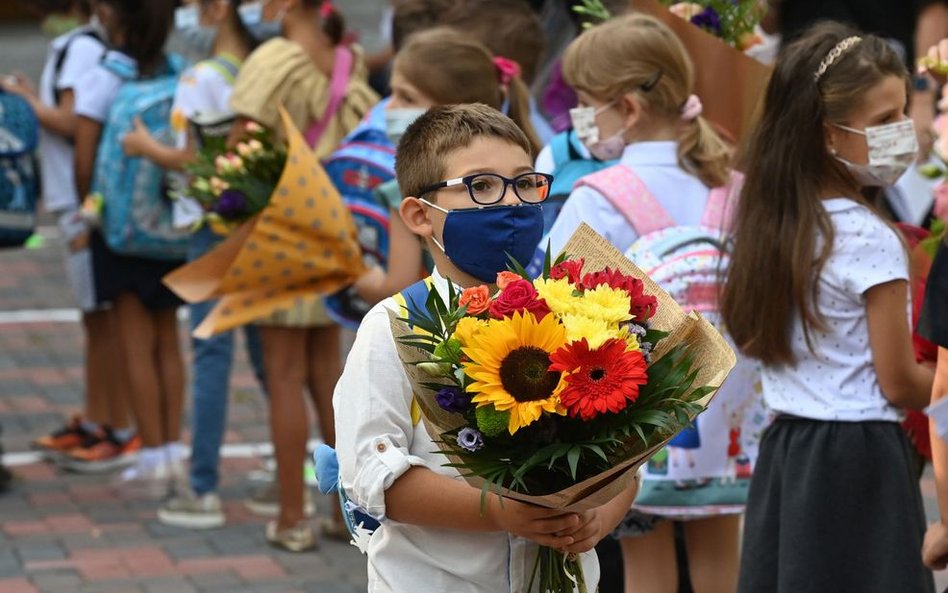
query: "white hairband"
834, 54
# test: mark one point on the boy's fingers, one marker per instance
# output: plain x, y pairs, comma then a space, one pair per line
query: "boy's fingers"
563, 524
552, 541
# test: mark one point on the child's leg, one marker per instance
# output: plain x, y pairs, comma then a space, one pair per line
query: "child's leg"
284, 356
138, 336
713, 546
650, 564
324, 365
106, 390
171, 373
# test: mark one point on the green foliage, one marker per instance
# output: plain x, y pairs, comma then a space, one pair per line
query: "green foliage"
490, 421
592, 12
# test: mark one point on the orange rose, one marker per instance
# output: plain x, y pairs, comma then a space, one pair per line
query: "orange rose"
505, 278
477, 299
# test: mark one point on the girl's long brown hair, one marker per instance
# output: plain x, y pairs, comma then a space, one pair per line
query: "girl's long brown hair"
451, 69
783, 235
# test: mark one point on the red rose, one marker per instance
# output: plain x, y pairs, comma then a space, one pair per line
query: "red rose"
643, 307
571, 269
519, 295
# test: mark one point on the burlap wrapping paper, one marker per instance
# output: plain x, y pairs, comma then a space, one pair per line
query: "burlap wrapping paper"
730, 84
714, 359
301, 247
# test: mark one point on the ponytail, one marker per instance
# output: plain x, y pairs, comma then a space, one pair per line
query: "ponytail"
518, 101
334, 25
704, 153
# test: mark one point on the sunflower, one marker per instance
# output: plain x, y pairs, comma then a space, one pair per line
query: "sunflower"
509, 366
559, 295
599, 381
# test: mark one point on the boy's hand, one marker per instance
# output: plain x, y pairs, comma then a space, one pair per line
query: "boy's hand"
547, 527
592, 528
137, 141
935, 548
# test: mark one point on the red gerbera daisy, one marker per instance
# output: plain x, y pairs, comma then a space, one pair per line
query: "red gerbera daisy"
599, 381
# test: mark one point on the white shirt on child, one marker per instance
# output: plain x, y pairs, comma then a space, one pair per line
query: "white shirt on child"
377, 442
656, 163
96, 89
839, 382
83, 53
202, 89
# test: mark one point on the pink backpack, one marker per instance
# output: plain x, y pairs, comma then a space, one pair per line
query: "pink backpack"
684, 260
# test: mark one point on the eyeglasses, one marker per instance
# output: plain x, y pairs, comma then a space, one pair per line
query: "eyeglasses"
487, 188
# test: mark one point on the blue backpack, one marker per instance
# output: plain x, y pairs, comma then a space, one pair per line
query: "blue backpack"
137, 218
19, 181
569, 166
364, 160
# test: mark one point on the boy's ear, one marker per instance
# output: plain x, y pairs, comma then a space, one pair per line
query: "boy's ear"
414, 214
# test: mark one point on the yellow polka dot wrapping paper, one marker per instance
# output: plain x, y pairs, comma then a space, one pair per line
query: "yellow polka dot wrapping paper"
302, 246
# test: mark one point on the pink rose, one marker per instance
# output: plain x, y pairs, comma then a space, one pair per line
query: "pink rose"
518, 296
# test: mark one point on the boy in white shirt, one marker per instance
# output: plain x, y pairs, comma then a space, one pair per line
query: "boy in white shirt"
434, 535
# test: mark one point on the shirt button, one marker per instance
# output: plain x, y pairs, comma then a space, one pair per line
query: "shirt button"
380, 447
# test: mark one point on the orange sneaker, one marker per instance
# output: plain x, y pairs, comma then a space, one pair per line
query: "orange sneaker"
105, 455
67, 438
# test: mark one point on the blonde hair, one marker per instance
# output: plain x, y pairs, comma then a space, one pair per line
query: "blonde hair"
451, 68
420, 161
630, 52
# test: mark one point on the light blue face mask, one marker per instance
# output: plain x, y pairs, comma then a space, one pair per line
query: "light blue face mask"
252, 16
397, 120
197, 37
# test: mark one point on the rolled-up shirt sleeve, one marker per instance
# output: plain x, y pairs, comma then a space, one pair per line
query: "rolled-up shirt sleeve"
374, 428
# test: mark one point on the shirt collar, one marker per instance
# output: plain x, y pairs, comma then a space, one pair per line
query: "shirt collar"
840, 204
656, 154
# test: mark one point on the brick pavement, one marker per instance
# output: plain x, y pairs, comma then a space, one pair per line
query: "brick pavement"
64, 533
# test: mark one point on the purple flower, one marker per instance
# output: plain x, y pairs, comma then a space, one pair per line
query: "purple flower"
231, 204
470, 439
709, 20
453, 399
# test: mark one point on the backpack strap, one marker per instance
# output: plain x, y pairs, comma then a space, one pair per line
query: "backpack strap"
719, 211
413, 300
341, 70
61, 60
625, 191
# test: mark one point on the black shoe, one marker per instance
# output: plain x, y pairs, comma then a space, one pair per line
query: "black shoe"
6, 479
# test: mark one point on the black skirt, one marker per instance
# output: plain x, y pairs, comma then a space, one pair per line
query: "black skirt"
116, 273
834, 508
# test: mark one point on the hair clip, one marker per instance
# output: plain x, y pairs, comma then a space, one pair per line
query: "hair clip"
652, 81
326, 10
507, 68
692, 108
834, 54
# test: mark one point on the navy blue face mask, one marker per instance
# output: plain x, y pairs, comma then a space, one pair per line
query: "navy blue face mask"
481, 241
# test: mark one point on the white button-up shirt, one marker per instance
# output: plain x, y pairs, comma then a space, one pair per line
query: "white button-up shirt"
377, 442
682, 195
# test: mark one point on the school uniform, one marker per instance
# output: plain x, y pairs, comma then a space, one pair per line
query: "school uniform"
378, 438
834, 504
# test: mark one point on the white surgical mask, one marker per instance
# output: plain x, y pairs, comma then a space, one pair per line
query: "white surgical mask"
892, 150
584, 123
187, 17
397, 120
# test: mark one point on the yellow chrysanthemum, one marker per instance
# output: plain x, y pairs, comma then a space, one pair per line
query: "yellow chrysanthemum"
595, 331
606, 303
558, 295
467, 328
509, 365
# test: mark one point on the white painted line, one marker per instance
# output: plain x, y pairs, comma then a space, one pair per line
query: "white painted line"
23, 316
228, 451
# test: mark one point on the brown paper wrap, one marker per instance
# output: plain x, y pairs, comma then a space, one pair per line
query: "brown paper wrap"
729, 83
302, 246
714, 359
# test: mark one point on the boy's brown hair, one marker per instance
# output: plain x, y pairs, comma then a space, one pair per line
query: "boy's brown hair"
411, 16
420, 161
509, 28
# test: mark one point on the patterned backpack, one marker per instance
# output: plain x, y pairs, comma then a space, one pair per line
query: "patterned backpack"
19, 181
137, 219
684, 260
364, 161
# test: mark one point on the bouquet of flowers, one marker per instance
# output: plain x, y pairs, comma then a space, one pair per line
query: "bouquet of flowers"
554, 391
234, 185
734, 21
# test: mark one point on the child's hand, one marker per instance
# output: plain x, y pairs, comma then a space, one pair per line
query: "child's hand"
137, 141
591, 529
19, 84
546, 527
935, 548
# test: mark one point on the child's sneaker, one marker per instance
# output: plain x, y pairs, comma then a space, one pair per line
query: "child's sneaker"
265, 502
150, 476
103, 455
69, 437
298, 538
192, 511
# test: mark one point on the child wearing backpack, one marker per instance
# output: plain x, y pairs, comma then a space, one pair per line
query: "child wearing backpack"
323, 86
100, 438
817, 290
134, 73
667, 204
438, 67
202, 96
